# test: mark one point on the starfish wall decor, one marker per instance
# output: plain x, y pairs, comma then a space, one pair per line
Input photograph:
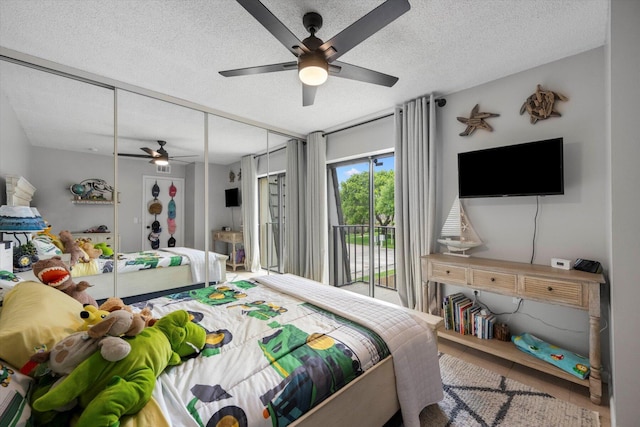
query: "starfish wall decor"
476, 121
541, 106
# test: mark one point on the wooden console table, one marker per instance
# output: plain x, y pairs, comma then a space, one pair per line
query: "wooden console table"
233, 238
570, 288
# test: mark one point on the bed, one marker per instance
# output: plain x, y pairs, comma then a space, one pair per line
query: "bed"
389, 354
147, 272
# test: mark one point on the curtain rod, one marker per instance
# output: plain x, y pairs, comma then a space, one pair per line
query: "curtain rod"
270, 152
439, 102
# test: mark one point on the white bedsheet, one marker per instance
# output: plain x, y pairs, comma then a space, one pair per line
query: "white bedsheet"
411, 341
217, 270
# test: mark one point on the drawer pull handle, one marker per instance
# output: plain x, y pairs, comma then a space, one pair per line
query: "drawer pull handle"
448, 271
493, 279
549, 288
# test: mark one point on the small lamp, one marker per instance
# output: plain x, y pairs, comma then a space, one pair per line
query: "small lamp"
18, 220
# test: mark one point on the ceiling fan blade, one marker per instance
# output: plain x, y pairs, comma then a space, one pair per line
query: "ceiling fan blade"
353, 72
308, 94
273, 25
284, 66
364, 27
141, 156
151, 152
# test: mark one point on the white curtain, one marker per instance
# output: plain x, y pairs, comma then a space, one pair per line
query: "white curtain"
294, 209
250, 219
414, 196
317, 234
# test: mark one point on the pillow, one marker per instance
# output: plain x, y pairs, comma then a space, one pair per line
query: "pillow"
15, 409
34, 314
45, 246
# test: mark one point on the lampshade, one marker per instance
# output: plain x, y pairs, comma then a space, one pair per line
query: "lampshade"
20, 219
313, 69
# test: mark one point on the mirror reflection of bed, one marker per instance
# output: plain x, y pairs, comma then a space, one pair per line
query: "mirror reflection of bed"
71, 139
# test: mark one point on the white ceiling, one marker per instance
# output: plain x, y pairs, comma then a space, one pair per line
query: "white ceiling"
177, 47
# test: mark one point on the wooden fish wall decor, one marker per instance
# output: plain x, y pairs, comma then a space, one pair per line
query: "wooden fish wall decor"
541, 105
476, 121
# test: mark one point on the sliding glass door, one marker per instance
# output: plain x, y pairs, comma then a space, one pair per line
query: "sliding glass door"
272, 203
364, 237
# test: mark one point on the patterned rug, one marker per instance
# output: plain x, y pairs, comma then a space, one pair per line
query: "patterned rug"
474, 396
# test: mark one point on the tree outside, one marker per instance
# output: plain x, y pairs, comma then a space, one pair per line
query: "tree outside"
354, 194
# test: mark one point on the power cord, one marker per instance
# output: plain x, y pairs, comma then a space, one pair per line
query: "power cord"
476, 301
535, 230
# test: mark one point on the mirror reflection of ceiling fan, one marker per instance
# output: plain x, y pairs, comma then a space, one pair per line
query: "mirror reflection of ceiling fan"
316, 58
159, 157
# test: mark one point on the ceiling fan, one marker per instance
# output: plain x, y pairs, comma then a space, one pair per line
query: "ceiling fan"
159, 157
318, 59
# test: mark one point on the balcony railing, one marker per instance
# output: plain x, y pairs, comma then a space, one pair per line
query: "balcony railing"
352, 253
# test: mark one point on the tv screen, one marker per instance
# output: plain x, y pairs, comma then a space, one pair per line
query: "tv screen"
231, 197
530, 169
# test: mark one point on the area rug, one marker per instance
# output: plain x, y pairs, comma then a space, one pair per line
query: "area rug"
474, 396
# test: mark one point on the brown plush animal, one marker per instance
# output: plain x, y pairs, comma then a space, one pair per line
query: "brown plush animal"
114, 303
72, 247
53, 272
90, 249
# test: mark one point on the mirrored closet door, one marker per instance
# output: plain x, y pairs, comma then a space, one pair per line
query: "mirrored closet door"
57, 133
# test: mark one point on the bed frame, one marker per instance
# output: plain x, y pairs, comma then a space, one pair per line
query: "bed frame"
138, 282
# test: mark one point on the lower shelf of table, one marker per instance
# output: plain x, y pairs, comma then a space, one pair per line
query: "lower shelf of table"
234, 266
507, 350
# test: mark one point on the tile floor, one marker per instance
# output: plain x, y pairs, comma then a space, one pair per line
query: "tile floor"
557, 387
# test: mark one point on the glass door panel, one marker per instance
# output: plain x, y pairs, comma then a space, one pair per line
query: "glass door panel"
161, 179
364, 239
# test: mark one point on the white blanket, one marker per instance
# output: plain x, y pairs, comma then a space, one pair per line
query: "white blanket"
411, 341
217, 263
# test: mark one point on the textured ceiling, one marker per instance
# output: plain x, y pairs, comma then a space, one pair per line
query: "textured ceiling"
178, 47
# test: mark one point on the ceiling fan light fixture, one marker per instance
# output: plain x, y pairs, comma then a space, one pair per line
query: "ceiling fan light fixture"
161, 161
313, 69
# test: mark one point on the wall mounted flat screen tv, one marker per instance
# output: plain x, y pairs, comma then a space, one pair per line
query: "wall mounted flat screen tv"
529, 169
231, 197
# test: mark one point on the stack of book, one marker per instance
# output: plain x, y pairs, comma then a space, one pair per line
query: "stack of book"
463, 316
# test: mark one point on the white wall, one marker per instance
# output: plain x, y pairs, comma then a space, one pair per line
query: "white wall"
14, 153
623, 96
570, 226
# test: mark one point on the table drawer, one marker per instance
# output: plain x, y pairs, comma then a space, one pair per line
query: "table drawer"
554, 291
490, 280
448, 273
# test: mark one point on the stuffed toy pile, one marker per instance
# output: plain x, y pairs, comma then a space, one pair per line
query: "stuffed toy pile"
73, 248
108, 390
53, 272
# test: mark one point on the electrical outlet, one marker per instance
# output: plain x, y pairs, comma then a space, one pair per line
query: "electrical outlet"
516, 300
476, 292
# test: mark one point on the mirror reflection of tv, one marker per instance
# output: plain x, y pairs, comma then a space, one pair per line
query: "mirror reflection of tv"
529, 169
231, 197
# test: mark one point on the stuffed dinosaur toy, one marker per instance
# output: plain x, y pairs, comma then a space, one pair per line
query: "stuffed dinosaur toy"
53, 272
108, 390
72, 247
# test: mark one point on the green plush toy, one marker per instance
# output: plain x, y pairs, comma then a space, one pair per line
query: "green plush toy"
108, 390
106, 250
